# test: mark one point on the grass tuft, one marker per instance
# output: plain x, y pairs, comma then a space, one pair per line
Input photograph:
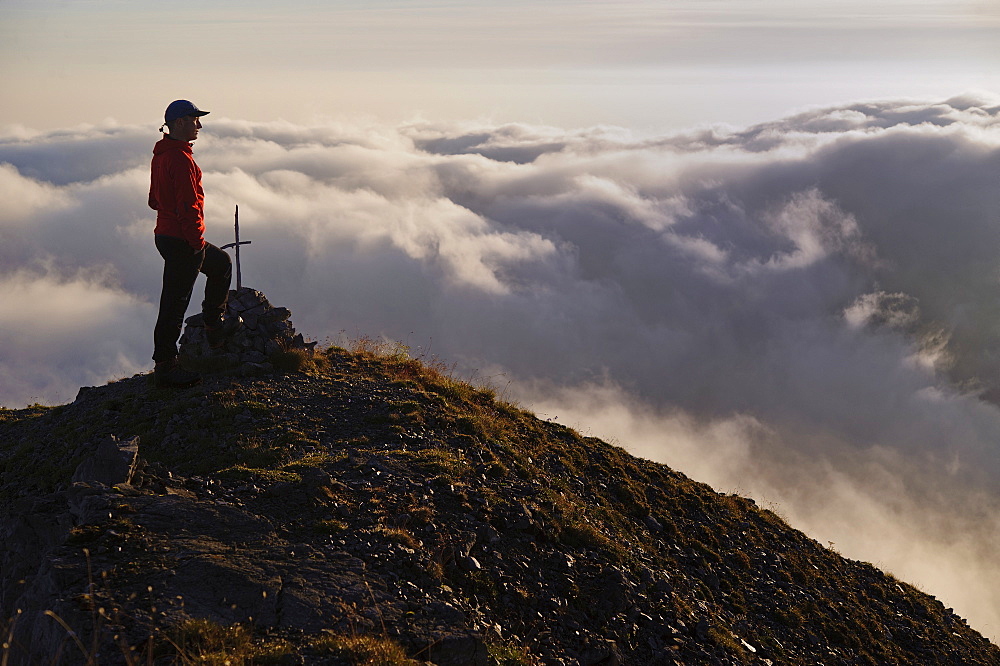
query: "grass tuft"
363, 650
288, 361
201, 641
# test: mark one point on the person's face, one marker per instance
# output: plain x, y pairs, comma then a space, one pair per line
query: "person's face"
186, 128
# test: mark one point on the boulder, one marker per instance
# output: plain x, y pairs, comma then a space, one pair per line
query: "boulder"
110, 463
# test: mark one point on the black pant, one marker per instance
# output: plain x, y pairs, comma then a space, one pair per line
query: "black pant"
181, 265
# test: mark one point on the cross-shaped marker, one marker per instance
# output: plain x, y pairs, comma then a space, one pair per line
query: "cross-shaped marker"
239, 275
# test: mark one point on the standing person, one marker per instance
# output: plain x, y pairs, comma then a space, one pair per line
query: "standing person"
175, 193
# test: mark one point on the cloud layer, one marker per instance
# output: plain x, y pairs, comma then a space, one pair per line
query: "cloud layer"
804, 311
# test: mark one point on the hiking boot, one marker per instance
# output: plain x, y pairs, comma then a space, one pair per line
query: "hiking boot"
217, 334
169, 374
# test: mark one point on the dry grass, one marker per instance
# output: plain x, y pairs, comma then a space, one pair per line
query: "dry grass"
398, 535
289, 361
204, 642
363, 650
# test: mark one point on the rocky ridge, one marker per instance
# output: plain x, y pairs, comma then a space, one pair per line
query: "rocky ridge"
366, 494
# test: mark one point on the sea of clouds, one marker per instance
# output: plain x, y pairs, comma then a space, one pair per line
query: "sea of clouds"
805, 311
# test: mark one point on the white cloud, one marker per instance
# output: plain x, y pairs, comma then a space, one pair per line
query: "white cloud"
796, 310
61, 332
23, 197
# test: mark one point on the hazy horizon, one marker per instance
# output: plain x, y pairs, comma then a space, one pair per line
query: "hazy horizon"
643, 64
756, 241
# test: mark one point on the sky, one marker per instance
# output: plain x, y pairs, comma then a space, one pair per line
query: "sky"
757, 241
645, 65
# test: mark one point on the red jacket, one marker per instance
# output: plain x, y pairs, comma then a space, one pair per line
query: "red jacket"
175, 192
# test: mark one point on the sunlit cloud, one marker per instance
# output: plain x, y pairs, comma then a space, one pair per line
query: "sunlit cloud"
59, 330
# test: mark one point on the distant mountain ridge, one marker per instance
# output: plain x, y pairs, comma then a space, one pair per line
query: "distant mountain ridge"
364, 507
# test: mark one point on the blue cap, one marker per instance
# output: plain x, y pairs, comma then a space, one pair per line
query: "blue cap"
180, 108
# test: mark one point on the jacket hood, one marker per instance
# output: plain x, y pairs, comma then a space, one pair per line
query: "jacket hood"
167, 144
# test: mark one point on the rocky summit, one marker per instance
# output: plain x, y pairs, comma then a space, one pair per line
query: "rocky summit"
263, 331
358, 506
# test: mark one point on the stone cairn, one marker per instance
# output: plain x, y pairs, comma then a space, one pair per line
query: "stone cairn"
266, 331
